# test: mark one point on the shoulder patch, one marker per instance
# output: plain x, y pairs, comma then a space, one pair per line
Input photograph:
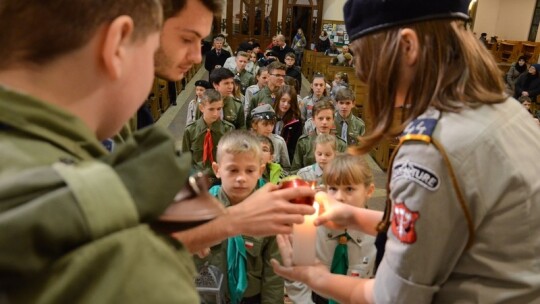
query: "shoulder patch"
422, 128
403, 222
421, 175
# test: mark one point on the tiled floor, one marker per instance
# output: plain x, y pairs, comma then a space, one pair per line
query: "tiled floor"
175, 120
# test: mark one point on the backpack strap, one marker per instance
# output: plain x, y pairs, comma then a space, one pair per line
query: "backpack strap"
104, 200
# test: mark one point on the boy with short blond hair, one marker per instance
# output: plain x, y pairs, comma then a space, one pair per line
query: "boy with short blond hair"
244, 260
202, 136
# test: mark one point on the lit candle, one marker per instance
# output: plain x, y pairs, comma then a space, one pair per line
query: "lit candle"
304, 237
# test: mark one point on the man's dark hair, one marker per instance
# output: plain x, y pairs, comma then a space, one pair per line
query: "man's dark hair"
173, 7
220, 74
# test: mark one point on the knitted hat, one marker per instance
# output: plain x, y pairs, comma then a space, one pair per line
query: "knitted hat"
364, 17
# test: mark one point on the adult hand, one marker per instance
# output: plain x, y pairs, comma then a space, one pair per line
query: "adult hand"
524, 93
268, 211
304, 274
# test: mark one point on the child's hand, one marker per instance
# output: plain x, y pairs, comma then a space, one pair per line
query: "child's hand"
203, 253
332, 214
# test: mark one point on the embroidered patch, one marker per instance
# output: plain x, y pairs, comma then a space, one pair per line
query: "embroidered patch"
403, 223
414, 172
248, 244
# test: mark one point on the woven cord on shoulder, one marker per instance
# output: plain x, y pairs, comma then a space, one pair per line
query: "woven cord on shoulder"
459, 193
385, 222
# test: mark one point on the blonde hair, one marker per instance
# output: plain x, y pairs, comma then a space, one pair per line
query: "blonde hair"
322, 139
348, 169
237, 142
453, 71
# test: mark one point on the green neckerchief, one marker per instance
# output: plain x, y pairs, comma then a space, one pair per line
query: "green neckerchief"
236, 268
340, 260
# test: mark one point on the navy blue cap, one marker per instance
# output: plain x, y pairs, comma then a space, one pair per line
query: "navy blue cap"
363, 17
203, 83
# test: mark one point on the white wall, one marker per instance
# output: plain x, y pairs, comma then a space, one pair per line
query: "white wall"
507, 19
333, 9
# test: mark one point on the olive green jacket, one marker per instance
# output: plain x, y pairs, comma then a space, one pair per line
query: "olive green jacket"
304, 155
246, 79
193, 141
71, 215
259, 250
355, 128
262, 97
233, 112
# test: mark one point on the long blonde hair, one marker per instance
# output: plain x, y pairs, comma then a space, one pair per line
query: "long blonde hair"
453, 71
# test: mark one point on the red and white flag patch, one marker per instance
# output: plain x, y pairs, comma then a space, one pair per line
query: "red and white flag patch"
248, 244
403, 223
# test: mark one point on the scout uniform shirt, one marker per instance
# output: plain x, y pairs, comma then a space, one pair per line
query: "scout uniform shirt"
305, 151
493, 150
306, 106
312, 173
259, 250
355, 127
233, 112
70, 229
246, 79
193, 141
264, 96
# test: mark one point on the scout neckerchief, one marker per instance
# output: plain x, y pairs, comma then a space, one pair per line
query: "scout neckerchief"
236, 268
420, 130
208, 147
340, 260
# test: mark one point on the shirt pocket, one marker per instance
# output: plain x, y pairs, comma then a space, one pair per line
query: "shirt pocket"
363, 269
254, 255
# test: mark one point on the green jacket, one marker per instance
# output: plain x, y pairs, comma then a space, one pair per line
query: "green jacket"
355, 128
259, 250
304, 155
233, 112
71, 215
193, 141
264, 96
273, 173
246, 79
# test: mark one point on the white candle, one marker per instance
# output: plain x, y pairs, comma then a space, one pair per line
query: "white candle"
304, 237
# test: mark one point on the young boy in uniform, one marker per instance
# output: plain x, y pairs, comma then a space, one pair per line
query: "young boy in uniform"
348, 126
246, 78
262, 123
273, 172
73, 214
193, 112
223, 81
244, 260
202, 136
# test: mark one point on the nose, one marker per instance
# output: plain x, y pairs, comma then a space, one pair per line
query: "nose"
240, 178
195, 55
338, 196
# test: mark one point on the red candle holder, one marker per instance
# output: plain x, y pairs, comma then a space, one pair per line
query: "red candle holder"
296, 182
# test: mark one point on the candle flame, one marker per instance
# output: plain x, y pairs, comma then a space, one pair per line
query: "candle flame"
316, 206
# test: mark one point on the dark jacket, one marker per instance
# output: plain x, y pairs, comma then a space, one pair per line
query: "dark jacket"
531, 85
291, 132
296, 74
281, 52
322, 45
212, 59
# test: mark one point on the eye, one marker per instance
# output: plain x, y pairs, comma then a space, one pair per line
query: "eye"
332, 189
350, 189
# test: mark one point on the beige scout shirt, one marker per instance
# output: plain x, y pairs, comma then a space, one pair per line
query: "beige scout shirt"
494, 152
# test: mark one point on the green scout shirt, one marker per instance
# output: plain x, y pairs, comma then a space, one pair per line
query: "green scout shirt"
264, 96
355, 128
260, 274
193, 141
70, 226
246, 79
304, 155
233, 112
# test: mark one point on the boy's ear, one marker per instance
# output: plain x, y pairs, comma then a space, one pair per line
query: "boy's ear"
370, 190
215, 168
117, 38
201, 106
